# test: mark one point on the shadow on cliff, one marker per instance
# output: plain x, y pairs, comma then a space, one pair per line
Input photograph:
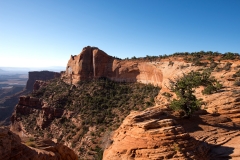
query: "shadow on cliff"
212, 120
218, 152
206, 151
211, 123
123, 73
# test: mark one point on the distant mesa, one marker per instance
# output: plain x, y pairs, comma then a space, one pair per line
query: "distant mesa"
40, 75
93, 63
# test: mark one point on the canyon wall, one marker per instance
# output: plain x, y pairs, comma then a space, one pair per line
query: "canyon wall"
94, 63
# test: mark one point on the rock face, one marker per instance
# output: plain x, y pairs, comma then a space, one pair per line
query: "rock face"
94, 63
151, 135
41, 75
11, 147
28, 105
38, 84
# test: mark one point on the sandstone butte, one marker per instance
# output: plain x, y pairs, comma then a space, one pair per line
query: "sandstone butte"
41, 75
212, 133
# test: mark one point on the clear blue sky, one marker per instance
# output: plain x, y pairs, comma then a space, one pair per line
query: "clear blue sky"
37, 33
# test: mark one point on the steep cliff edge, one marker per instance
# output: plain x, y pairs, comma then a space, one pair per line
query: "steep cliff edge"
93, 63
9, 101
39, 75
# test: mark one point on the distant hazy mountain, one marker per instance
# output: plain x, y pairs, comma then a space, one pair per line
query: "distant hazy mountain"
2, 71
22, 70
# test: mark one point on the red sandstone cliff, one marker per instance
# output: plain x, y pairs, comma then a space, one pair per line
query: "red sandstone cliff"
94, 63
151, 134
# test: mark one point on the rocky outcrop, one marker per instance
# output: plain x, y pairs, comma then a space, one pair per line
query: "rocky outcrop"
38, 84
94, 63
151, 134
11, 147
28, 105
39, 75
47, 114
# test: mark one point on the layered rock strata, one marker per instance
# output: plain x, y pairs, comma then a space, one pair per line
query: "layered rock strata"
152, 135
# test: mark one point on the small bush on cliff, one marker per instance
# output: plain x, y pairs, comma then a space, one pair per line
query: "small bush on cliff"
213, 65
184, 89
237, 83
227, 66
230, 56
211, 88
99, 155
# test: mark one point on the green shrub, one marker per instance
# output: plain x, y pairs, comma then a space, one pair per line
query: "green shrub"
213, 64
230, 56
236, 83
170, 63
237, 74
99, 155
210, 89
197, 62
184, 89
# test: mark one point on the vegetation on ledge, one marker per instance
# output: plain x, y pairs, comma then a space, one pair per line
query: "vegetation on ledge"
192, 56
100, 104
